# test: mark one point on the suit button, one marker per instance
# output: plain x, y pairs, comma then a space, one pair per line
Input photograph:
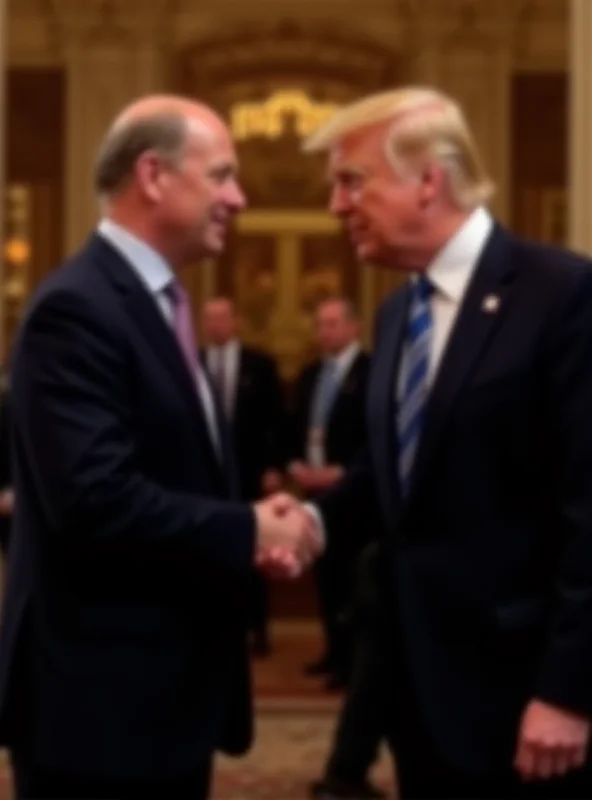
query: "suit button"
403, 539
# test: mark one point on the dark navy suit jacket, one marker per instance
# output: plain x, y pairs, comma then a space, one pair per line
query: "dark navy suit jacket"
485, 571
122, 651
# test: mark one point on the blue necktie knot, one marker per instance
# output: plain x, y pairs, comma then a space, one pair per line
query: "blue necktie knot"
423, 288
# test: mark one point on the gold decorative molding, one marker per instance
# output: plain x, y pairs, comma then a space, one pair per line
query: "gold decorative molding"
48, 29
276, 83
535, 30
295, 221
540, 39
269, 118
282, 54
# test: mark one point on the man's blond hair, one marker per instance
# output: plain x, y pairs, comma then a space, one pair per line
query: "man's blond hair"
425, 124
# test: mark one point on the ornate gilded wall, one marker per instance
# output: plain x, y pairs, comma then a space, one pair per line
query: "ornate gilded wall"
286, 251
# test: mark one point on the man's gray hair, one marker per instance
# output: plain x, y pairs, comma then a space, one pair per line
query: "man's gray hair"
164, 133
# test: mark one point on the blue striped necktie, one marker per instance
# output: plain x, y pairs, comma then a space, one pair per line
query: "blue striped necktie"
414, 394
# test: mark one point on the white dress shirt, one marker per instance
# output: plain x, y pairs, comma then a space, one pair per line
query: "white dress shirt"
450, 273
156, 275
315, 447
345, 359
225, 359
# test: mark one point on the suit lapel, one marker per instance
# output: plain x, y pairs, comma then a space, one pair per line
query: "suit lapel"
159, 336
350, 378
224, 430
381, 395
226, 444
240, 379
346, 387
483, 308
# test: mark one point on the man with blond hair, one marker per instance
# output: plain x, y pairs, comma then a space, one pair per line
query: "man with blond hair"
123, 662
480, 452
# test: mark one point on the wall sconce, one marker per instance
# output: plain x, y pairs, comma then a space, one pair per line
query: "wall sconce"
16, 255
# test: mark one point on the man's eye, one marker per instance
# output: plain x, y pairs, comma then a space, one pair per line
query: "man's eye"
223, 175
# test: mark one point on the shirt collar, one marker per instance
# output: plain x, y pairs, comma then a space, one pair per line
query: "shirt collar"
149, 266
231, 345
345, 359
453, 267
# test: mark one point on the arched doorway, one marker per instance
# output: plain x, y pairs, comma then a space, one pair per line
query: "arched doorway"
286, 251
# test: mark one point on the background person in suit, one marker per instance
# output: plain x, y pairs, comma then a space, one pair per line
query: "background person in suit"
327, 432
253, 401
480, 449
123, 660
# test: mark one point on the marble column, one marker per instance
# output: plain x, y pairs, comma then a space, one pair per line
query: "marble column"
114, 53
102, 80
579, 213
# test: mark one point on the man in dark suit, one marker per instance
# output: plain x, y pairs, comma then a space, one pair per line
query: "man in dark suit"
123, 656
327, 433
480, 450
251, 396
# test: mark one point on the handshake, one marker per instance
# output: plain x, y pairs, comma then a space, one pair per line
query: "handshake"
288, 537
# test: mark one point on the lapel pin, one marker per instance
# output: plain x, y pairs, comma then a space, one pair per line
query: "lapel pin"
491, 303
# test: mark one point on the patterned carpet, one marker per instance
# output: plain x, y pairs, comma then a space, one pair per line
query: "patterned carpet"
289, 752
294, 728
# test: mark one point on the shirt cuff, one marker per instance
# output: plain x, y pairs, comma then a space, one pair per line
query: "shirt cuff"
315, 513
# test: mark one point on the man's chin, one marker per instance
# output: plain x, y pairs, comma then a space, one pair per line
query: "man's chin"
367, 254
215, 244
209, 249
377, 257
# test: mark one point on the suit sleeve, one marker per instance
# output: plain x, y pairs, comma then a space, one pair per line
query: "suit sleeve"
351, 501
565, 676
75, 423
295, 427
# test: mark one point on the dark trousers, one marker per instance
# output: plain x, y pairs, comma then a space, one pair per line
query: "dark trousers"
5, 523
361, 725
333, 574
258, 612
35, 784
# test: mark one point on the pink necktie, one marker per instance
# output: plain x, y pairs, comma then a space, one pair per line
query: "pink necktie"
183, 325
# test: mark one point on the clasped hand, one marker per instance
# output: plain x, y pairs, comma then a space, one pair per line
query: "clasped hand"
288, 536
